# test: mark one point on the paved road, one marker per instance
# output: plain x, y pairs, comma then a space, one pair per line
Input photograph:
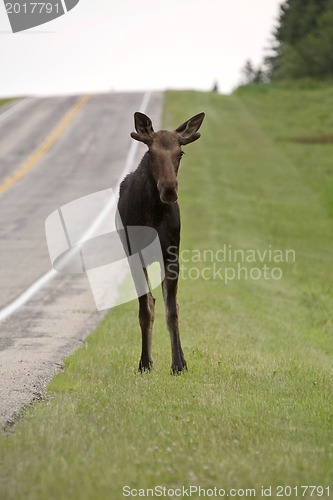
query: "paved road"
88, 156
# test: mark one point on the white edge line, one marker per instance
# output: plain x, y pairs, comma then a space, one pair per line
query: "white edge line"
14, 108
49, 275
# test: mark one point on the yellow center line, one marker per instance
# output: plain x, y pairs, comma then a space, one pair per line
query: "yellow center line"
45, 146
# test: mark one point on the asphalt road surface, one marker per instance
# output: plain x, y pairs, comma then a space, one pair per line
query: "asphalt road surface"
52, 151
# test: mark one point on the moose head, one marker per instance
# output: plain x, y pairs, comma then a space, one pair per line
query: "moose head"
165, 150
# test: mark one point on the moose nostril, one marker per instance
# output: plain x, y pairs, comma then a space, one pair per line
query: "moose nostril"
169, 195
169, 191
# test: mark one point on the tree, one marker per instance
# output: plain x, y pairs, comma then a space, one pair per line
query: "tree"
248, 72
303, 44
251, 74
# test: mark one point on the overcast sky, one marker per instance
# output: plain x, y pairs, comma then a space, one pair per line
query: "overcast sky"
104, 45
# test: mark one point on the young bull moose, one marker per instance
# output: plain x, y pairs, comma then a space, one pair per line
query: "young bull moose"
148, 197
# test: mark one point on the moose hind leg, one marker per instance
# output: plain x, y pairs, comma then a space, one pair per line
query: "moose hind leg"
146, 319
169, 287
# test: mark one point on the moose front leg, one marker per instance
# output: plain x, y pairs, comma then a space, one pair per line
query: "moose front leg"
169, 287
146, 319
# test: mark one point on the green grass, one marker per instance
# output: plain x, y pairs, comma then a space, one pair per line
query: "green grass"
256, 406
4, 101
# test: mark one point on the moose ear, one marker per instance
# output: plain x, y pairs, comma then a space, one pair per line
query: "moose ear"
143, 127
188, 131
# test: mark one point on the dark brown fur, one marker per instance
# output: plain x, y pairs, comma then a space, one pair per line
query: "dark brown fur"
148, 197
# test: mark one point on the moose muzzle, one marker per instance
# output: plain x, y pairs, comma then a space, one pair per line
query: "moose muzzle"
168, 191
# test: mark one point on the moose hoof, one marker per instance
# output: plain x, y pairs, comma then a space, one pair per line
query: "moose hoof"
178, 369
145, 366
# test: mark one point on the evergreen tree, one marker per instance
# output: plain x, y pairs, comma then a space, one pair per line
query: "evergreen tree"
303, 41
248, 72
251, 74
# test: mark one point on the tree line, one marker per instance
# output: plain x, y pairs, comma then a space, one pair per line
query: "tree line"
302, 44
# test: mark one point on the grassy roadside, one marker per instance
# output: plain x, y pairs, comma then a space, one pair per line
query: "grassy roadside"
4, 101
256, 406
